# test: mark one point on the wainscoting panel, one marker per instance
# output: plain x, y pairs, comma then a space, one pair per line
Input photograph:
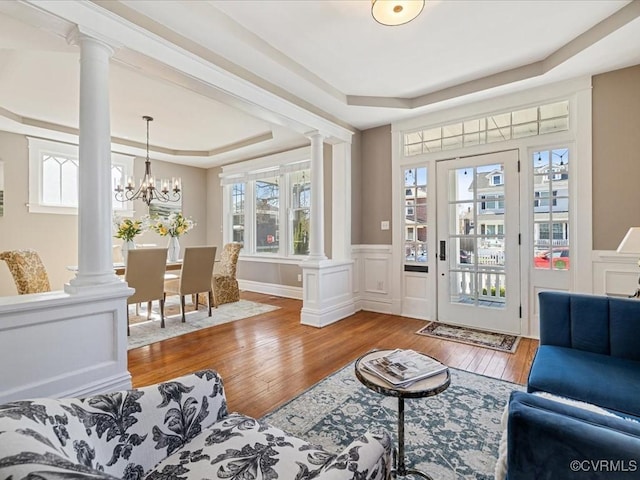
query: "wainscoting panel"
55, 344
615, 274
373, 270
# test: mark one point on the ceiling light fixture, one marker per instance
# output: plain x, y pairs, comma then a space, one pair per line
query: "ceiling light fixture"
147, 191
395, 12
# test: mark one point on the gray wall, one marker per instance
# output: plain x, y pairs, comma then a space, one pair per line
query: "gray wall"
376, 185
54, 236
616, 156
356, 189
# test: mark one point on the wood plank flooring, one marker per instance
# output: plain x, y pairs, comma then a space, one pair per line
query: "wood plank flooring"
270, 358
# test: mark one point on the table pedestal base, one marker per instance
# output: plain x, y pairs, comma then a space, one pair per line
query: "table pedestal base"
399, 468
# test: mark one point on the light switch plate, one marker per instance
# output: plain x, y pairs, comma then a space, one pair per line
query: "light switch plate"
384, 225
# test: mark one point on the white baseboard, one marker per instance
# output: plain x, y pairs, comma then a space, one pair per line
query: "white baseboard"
370, 305
271, 289
325, 317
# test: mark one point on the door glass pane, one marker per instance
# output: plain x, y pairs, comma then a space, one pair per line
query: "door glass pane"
476, 242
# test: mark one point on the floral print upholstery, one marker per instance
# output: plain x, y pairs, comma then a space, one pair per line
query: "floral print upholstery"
225, 285
28, 271
175, 430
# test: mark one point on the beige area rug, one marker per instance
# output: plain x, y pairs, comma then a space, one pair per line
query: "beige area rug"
145, 332
471, 336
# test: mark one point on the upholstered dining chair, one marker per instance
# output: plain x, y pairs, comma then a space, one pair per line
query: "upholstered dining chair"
28, 271
145, 272
225, 284
195, 277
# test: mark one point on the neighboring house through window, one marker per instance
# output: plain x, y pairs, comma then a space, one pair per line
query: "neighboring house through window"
268, 201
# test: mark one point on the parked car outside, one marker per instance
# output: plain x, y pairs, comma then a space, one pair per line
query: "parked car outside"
559, 257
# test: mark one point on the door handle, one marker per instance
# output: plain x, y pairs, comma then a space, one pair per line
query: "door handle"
443, 250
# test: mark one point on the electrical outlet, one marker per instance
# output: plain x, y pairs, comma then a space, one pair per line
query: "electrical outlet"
384, 225
299, 277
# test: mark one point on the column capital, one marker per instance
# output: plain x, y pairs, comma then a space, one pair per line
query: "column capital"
78, 35
315, 134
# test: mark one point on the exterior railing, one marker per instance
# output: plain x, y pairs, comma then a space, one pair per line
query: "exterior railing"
487, 284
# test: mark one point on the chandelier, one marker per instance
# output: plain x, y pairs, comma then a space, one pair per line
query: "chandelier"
147, 191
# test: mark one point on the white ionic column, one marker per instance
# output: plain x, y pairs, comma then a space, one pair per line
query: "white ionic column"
95, 257
316, 241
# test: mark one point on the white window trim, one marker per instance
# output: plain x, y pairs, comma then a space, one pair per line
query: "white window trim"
277, 165
38, 147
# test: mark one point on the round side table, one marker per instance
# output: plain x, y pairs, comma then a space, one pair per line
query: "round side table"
427, 387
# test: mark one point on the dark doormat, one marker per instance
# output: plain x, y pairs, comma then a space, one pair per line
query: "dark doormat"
497, 341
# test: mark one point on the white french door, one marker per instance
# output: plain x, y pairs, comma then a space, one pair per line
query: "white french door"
477, 257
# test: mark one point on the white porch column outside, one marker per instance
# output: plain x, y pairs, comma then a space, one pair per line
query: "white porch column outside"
316, 241
95, 258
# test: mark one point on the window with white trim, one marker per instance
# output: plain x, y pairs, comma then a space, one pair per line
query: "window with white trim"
268, 204
53, 177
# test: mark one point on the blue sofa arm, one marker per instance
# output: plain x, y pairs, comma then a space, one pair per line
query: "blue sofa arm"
592, 323
551, 440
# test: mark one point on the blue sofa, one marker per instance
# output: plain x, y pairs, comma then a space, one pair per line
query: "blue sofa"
589, 352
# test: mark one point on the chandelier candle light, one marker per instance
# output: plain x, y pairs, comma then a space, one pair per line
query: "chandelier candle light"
147, 191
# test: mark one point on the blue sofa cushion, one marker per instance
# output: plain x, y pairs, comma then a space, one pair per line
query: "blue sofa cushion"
610, 382
593, 323
546, 437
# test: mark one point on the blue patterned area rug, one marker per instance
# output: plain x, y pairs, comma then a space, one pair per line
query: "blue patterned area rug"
454, 435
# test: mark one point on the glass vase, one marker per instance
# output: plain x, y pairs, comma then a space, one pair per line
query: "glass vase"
173, 253
126, 246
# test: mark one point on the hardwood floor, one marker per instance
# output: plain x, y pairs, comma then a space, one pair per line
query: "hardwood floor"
269, 359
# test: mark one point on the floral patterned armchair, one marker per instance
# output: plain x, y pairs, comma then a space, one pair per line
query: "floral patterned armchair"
225, 285
28, 271
175, 430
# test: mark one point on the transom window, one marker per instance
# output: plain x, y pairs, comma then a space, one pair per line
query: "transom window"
527, 122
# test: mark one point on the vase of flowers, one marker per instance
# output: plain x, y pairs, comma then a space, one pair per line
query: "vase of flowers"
174, 226
127, 230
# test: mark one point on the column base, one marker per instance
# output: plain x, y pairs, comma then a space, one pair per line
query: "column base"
327, 292
89, 284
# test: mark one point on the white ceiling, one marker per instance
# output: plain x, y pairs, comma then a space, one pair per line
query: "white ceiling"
328, 56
